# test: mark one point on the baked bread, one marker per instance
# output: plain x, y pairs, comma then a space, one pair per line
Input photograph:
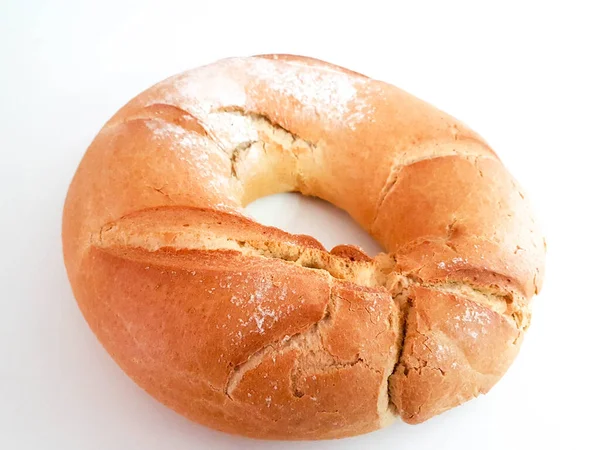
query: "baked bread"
254, 331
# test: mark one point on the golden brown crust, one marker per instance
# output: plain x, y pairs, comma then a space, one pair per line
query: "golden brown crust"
454, 349
251, 330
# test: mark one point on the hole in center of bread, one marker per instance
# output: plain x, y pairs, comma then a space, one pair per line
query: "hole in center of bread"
298, 214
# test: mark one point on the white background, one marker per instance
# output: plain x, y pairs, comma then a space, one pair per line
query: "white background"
523, 75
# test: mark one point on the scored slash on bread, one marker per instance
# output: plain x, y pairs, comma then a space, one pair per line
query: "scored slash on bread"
254, 331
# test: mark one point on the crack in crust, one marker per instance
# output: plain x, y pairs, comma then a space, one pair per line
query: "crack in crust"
472, 154
296, 341
256, 117
403, 305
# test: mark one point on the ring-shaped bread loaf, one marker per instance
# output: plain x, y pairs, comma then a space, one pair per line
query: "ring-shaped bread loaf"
254, 331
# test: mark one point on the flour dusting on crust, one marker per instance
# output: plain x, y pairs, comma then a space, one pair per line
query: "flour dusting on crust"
318, 90
315, 90
193, 149
200, 91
